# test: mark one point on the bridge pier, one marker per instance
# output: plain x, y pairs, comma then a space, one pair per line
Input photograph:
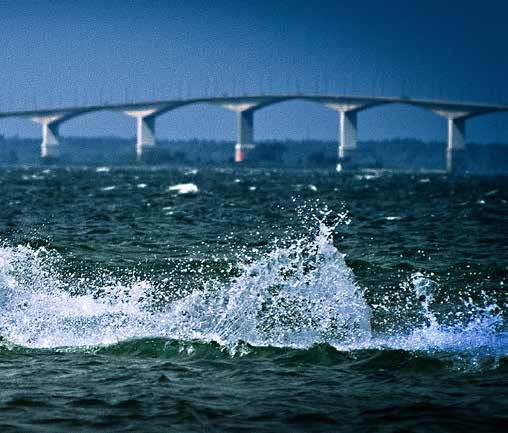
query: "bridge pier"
146, 142
348, 139
348, 130
50, 145
245, 135
145, 136
456, 149
244, 109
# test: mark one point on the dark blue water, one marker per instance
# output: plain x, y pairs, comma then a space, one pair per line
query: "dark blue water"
163, 299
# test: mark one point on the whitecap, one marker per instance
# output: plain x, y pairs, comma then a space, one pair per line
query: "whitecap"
184, 188
493, 192
297, 294
367, 176
102, 169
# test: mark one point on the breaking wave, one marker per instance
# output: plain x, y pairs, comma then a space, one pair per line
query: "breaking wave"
296, 296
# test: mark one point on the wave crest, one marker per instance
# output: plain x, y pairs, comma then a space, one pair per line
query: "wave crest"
299, 294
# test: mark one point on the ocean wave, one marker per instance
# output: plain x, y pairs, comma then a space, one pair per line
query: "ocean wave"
323, 354
298, 296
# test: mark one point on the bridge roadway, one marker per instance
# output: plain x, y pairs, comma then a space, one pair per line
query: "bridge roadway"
146, 112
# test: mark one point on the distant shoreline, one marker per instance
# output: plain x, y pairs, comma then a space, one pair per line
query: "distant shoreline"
395, 154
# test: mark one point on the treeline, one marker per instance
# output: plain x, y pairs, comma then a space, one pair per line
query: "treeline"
397, 153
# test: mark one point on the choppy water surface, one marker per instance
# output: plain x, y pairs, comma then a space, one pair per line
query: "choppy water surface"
163, 299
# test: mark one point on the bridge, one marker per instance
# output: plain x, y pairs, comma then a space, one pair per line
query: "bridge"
455, 113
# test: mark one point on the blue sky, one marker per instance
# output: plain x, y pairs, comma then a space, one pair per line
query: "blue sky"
63, 52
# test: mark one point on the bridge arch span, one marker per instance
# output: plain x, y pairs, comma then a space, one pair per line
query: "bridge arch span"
186, 116
116, 123
308, 119
401, 125
456, 116
346, 106
197, 120
53, 124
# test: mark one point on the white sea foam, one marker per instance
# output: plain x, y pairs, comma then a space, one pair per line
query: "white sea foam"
108, 188
368, 176
296, 295
32, 177
482, 330
102, 169
293, 296
491, 193
184, 188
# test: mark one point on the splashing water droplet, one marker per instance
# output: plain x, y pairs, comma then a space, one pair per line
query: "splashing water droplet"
295, 296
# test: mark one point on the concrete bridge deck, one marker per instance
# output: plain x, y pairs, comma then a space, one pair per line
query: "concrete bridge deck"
146, 112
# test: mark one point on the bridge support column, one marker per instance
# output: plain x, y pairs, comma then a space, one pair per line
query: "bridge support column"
245, 135
347, 139
456, 149
145, 136
146, 143
50, 145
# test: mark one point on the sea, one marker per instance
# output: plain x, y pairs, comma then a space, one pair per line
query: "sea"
237, 299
